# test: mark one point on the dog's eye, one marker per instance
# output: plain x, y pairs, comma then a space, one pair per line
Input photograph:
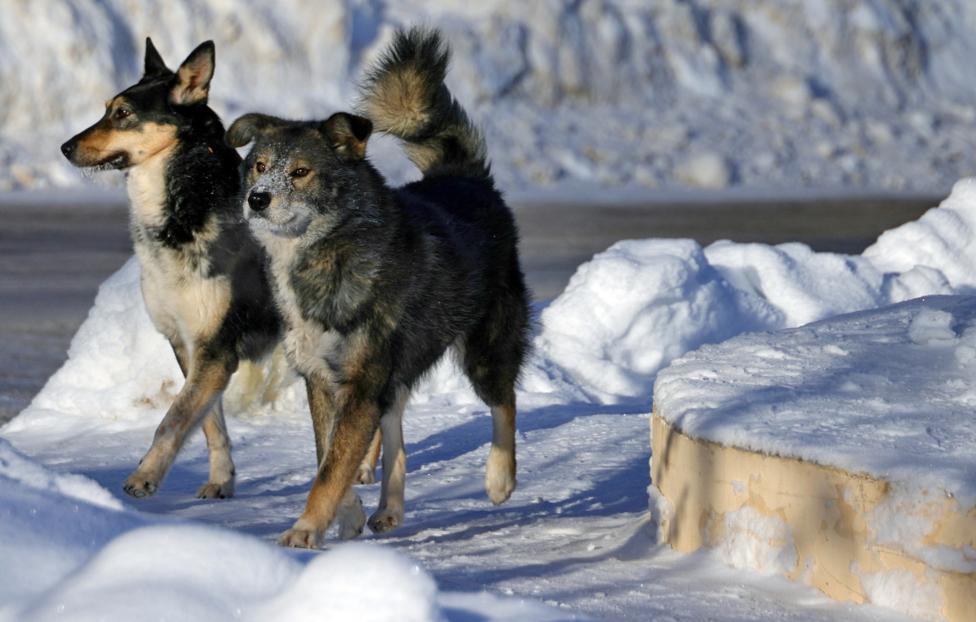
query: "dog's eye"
121, 113
300, 172
260, 166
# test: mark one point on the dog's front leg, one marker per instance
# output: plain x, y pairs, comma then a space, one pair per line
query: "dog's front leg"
322, 408
208, 377
356, 424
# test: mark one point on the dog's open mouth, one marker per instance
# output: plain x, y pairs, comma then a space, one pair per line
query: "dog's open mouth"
116, 160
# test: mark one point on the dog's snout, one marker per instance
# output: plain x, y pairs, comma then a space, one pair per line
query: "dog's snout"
68, 148
258, 200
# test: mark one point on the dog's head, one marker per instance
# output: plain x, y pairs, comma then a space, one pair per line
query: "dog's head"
302, 171
146, 118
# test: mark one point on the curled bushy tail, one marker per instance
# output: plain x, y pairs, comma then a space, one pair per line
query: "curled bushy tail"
404, 95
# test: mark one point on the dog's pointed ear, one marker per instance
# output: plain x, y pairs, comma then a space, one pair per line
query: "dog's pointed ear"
348, 134
246, 128
193, 77
154, 64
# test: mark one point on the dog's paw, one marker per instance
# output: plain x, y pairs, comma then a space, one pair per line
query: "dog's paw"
366, 474
351, 519
500, 475
140, 485
212, 490
385, 519
300, 538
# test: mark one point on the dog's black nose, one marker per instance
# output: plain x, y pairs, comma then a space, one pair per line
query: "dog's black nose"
68, 148
258, 200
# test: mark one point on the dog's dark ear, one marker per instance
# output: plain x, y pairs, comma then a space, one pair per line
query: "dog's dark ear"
154, 65
193, 77
245, 129
348, 134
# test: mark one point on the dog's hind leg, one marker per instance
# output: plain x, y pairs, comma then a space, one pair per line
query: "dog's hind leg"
493, 355
500, 472
220, 484
367, 468
353, 431
208, 377
390, 513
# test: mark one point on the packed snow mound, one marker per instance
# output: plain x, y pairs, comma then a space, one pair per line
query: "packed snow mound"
70, 551
635, 307
705, 93
203, 573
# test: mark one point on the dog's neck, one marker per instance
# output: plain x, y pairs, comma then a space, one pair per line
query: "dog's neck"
146, 185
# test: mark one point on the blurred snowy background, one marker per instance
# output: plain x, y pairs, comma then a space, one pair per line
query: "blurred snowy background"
762, 94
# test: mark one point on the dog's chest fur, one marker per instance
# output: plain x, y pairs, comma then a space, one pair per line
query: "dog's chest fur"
311, 349
183, 299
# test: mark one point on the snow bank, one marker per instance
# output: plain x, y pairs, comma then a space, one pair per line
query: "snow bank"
70, 551
632, 309
705, 93
63, 556
202, 573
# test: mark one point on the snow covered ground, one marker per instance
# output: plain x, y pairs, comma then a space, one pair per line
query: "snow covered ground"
576, 535
625, 93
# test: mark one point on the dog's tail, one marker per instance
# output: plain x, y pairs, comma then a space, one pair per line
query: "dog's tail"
404, 95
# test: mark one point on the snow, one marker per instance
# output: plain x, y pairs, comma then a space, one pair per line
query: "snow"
577, 537
758, 542
712, 93
71, 549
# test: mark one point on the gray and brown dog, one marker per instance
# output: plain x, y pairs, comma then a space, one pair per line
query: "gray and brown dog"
375, 283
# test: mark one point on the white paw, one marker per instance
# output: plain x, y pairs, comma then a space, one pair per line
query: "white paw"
500, 475
212, 490
365, 475
141, 485
351, 519
300, 537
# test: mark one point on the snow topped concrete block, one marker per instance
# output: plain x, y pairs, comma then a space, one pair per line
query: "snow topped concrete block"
839, 454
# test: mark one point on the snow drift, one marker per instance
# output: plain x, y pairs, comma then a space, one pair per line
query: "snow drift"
71, 549
632, 309
705, 93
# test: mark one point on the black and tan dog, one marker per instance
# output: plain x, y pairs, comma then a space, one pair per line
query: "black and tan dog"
375, 284
204, 277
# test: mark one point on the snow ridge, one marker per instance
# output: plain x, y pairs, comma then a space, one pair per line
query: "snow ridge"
706, 93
